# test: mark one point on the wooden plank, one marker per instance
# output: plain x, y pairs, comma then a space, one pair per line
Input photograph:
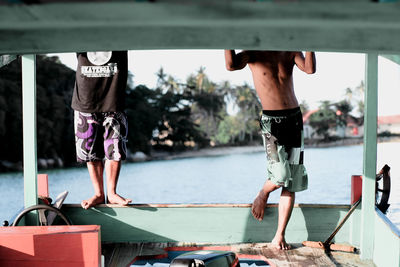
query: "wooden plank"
369, 162
77, 245
29, 129
362, 26
207, 224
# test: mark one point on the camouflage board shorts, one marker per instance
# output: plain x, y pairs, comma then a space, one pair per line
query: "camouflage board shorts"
100, 135
282, 132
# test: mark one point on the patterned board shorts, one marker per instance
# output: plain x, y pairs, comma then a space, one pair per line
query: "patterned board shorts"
282, 132
100, 135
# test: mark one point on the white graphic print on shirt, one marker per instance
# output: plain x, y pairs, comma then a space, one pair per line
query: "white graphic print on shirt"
99, 59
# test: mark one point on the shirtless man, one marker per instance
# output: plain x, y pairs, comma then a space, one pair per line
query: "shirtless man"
281, 126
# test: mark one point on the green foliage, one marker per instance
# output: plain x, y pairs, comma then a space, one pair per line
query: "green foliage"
173, 116
304, 107
175, 127
209, 105
385, 134
228, 129
54, 116
355, 97
143, 116
323, 119
55, 127
330, 116
249, 111
343, 109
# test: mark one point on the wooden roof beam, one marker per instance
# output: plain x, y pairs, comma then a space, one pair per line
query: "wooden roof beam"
356, 26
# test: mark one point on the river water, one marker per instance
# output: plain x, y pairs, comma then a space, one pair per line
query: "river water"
234, 178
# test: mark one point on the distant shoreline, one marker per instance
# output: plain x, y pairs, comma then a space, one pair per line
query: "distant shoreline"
219, 151
205, 152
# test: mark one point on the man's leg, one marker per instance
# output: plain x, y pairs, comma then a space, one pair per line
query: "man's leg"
260, 201
95, 169
286, 203
113, 168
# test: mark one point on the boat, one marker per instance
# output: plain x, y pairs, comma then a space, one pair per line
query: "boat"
112, 235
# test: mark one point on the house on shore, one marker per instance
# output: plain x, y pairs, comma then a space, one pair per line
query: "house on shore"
389, 124
354, 128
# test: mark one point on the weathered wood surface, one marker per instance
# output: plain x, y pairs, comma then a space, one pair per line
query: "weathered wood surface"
337, 25
123, 253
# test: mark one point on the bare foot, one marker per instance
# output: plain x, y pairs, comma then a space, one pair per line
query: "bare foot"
279, 242
258, 207
93, 201
117, 199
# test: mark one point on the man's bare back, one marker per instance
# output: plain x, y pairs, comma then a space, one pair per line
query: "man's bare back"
272, 74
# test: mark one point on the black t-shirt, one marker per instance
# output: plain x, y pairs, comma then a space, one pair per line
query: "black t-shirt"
101, 79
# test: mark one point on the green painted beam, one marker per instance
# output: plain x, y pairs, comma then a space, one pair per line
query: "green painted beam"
337, 25
393, 58
29, 129
208, 224
370, 151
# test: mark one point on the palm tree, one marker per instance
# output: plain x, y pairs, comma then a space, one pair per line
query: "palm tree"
167, 83
322, 120
247, 101
208, 102
161, 76
304, 107
343, 109
355, 97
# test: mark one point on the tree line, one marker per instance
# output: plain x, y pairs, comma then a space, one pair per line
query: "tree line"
334, 115
172, 117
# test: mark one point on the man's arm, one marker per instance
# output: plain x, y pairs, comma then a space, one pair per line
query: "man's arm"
235, 61
306, 64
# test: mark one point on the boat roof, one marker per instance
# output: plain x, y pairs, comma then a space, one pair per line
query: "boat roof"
50, 26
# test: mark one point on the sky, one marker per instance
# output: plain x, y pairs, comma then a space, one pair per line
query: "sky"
335, 72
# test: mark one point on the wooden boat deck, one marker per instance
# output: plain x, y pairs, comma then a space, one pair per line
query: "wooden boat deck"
122, 254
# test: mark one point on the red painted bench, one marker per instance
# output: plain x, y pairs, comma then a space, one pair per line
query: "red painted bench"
77, 245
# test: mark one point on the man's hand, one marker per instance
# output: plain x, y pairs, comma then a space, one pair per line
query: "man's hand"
307, 64
235, 61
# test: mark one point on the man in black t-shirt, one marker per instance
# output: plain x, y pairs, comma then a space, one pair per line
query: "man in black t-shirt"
101, 125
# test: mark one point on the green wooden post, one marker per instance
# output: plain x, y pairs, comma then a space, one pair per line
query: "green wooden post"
29, 128
370, 150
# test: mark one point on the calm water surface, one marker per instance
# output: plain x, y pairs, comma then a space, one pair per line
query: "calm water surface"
232, 178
